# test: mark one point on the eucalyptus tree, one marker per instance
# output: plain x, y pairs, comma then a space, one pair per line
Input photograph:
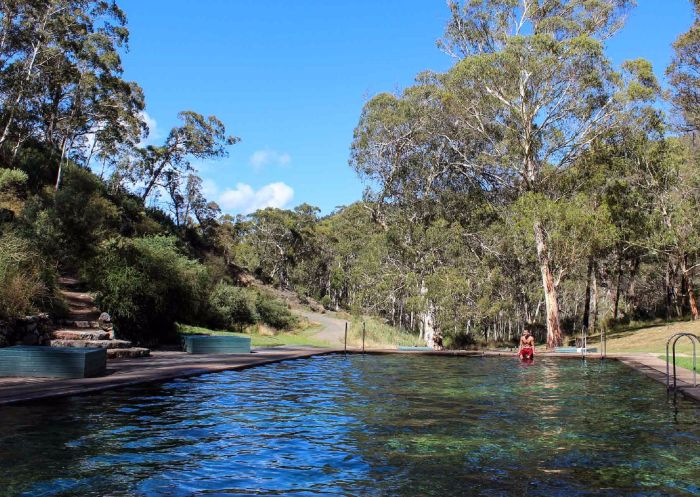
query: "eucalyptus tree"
198, 137
684, 73
400, 149
277, 241
530, 91
61, 77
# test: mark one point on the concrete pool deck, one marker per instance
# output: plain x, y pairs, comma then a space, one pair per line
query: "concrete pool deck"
166, 365
160, 366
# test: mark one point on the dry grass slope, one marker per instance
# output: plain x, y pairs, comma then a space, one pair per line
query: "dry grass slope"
650, 339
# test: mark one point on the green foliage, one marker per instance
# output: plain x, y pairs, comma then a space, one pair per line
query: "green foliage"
274, 313
233, 307
684, 74
147, 284
530, 156
380, 335
326, 301
298, 337
13, 184
12, 180
26, 280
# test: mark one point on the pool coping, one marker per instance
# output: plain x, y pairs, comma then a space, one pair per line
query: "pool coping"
166, 366
159, 367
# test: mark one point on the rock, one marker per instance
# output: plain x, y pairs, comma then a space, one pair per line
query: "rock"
79, 334
103, 344
105, 323
5, 332
31, 338
130, 353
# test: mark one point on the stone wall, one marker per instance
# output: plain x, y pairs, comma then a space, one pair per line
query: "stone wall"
29, 330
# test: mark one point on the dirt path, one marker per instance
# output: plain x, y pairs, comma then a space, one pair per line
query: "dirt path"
332, 329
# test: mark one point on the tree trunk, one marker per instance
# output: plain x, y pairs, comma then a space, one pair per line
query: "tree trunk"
428, 319
587, 303
594, 303
27, 78
631, 294
554, 336
616, 303
60, 166
691, 297
669, 290
688, 280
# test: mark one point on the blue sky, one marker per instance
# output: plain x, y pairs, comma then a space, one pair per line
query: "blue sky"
290, 79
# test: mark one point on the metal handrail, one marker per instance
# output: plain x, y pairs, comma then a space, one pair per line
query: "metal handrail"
693, 339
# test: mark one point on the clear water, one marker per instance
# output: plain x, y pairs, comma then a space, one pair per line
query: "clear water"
364, 426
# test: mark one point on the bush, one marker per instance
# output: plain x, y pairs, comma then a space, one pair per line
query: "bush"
274, 313
326, 302
24, 276
233, 307
147, 284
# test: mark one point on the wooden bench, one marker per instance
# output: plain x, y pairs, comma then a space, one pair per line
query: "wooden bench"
205, 344
52, 362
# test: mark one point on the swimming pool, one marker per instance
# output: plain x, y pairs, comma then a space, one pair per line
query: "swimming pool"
365, 426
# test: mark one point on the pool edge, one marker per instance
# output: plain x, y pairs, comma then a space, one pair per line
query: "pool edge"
164, 367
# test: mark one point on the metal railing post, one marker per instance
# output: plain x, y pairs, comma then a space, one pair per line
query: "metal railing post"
346, 338
364, 329
605, 343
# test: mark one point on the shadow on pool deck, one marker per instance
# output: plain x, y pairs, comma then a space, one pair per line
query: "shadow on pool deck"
168, 365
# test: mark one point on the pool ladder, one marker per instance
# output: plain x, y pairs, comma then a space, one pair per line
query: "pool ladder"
694, 339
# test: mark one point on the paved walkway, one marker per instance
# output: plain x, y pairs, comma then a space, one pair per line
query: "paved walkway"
160, 366
653, 367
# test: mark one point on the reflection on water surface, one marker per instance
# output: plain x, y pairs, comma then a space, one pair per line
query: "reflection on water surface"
365, 426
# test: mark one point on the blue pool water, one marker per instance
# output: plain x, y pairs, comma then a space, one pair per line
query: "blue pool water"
363, 426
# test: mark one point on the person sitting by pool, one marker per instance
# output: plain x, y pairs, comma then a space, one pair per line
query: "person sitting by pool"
527, 346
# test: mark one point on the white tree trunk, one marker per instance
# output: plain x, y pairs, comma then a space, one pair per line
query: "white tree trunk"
427, 319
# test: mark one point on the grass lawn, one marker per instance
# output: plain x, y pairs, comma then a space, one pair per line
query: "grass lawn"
649, 338
379, 335
276, 339
684, 362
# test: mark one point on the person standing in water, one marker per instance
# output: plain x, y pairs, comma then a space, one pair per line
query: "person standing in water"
527, 346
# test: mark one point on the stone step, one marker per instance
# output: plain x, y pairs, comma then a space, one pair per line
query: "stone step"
80, 334
104, 344
130, 353
91, 315
68, 281
77, 323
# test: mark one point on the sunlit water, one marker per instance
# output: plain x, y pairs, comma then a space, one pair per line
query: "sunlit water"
364, 426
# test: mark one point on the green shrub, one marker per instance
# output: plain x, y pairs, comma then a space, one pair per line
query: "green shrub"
233, 307
25, 279
147, 284
12, 180
274, 313
326, 302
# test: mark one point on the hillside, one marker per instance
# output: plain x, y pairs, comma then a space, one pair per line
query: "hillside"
645, 338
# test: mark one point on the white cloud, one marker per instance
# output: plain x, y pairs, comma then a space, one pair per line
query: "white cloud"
267, 157
245, 199
209, 188
153, 131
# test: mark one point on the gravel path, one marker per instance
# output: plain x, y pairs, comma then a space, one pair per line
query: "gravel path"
332, 329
